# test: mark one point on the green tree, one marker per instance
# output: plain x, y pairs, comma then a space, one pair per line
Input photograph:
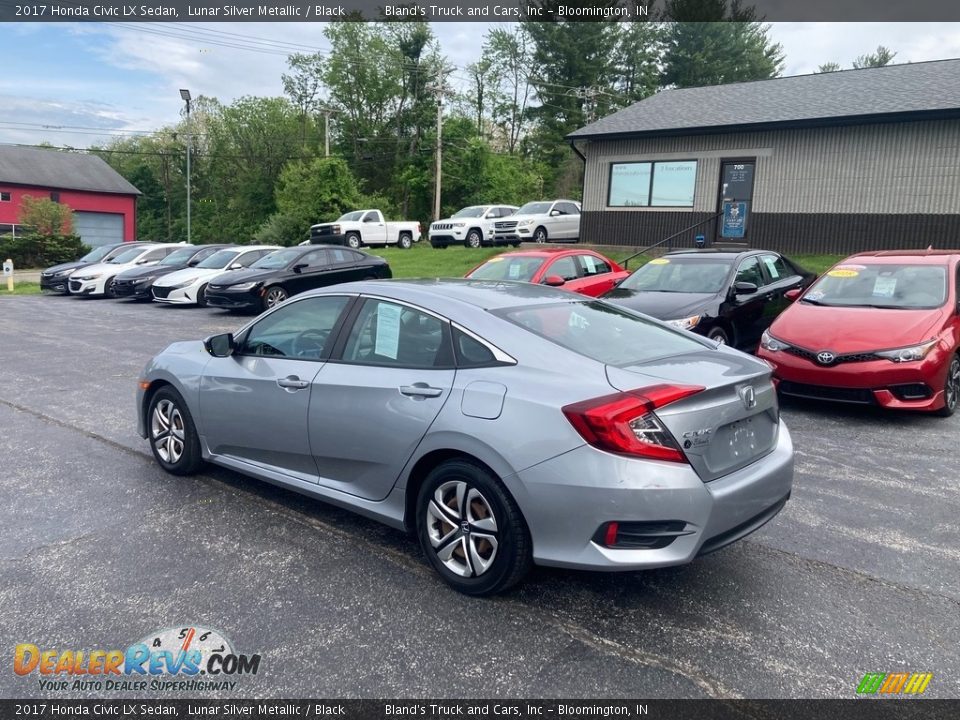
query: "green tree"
45, 216
303, 86
883, 56
507, 55
829, 67
317, 190
711, 42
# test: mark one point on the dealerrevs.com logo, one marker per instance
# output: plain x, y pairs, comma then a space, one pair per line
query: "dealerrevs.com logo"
189, 658
901, 683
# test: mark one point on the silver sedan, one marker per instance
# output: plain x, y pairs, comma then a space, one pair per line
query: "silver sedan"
505, 423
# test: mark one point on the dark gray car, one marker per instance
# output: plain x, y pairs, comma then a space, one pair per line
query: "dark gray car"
505, 423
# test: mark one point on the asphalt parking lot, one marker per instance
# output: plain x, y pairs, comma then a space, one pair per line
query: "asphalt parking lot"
99, 548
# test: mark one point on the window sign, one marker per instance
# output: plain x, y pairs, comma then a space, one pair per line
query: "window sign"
673, 184
388, 330
734, 219
653, 184
630, 184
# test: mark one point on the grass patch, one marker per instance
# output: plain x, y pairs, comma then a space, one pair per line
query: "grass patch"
422, 260
21, 288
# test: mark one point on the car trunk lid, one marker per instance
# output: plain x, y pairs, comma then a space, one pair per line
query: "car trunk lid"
732, 423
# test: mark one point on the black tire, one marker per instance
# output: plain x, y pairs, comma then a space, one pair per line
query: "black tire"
540, 235
405, 241
951, 395
484, 498
353, 240
273, 296
515, 243
167, 411
718, 334
474, 239
109, 289
202, 296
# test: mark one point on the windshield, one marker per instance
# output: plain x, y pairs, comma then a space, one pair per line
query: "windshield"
219, 259
470, 211
680, 275
277, 259
351, 216
887, 285
602, 332
97, 254
508, 267
179, 257
127, 256
534, 208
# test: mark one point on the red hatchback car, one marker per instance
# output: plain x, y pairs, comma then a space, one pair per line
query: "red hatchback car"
583, 271
880, 328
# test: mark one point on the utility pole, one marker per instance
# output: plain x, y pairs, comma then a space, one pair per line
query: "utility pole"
185, 96
327, 112
439, 170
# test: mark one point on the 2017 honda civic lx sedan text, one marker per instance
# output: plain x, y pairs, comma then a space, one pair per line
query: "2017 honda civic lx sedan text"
513, 423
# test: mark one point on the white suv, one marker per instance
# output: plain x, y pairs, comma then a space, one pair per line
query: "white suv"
470, 227
541, 222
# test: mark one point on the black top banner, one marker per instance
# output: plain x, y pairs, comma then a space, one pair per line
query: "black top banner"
457, 11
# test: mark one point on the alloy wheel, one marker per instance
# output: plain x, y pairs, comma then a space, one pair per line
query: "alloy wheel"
167, 431
952, 389
275, 296
462, 529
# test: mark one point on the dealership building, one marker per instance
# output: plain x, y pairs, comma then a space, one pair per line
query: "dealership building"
104, 204
832, 162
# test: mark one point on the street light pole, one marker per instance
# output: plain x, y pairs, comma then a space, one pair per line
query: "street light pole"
185, 94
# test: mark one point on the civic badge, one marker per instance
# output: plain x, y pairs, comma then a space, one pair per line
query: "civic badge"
826, 357
748, 397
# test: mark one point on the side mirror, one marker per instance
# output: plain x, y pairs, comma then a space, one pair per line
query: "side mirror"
143, 262
298, 268
193, 263
553, 280
235, 266
554, 213
792, 295
745, 288
220, 345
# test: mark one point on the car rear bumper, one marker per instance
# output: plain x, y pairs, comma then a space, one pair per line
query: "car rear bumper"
568, 499
901, 386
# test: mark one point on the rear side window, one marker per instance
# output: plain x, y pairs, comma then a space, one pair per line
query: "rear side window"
592, 265
471, 353
777, 269
389, 334
601, 332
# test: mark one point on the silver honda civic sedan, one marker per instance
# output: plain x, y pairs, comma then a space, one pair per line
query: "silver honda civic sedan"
504, 423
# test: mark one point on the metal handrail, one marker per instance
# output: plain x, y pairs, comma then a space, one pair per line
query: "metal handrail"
627, 260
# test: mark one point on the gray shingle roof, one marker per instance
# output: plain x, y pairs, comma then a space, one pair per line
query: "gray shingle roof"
927, 87
60, 170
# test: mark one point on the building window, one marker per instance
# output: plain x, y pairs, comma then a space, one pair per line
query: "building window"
668, 183
4, 197
55, 196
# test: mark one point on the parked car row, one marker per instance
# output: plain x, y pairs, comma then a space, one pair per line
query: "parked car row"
254, 277
479, 225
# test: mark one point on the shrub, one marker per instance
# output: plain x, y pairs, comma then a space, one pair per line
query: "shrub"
35, 250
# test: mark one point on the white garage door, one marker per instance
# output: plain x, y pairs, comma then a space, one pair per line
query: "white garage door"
97, 229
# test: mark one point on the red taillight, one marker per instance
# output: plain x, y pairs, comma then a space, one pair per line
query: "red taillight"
625, 423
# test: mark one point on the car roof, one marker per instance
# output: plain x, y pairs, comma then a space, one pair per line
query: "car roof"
732, 252
545, 252
925, 257
438, 293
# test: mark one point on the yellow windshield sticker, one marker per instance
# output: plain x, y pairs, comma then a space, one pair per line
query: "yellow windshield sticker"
843, 273
659, 261
496, 259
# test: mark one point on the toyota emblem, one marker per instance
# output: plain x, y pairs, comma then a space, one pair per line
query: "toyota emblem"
826, 357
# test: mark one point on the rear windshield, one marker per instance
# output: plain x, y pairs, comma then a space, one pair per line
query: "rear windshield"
601, 332
219, 259
508, 268
895, 286
681, 275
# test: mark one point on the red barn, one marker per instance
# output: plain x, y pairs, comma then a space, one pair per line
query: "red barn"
104, 204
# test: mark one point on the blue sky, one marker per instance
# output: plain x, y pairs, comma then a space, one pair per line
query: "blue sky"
125, 76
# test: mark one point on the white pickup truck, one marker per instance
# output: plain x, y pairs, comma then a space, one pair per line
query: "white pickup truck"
365, 227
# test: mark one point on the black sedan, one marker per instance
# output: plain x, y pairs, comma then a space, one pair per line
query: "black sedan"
275, 277
135, 283
54, 278
729, 295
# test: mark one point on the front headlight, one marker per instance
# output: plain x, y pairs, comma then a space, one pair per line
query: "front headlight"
84, 278
245, 286
687, 323
769, 342
145, 280
524, 223
458, 224
180, 285
908, 354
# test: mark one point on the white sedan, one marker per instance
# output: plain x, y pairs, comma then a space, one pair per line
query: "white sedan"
189, 286
97, 280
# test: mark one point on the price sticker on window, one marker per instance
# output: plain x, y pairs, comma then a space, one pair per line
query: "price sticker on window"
885, 287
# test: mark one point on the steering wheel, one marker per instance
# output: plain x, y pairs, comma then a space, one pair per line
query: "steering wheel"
310, 343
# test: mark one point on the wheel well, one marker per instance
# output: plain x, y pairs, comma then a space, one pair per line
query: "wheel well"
477, 230
148, 396
419, 473
727, 328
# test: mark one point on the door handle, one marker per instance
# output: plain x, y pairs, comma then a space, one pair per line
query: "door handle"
292, 382
420, 390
